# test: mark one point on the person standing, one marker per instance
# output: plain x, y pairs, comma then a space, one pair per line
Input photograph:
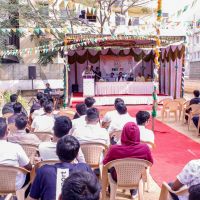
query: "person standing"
48, 89
97, 73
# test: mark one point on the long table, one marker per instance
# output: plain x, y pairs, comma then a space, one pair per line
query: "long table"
112, 88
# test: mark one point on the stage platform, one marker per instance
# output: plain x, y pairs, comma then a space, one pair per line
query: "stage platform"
109, 99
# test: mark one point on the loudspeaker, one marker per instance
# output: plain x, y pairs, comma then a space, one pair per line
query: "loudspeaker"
32, 72
74, 87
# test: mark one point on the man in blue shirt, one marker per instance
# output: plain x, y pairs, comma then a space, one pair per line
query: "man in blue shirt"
49, 178
48, 90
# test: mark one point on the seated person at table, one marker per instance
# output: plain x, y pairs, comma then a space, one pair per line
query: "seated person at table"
148, 78
97, 73
81, 110
17, 107
120, 77
112, 77
21, 136
140, 78
61, 128
45, 185
81, 185
189, 176
89, 102
8, 107
130, 147
121, 118
36, 105
146, 135
131, 77
111, 114
195, 100
45, 122
91, 132
12, 154
48, 90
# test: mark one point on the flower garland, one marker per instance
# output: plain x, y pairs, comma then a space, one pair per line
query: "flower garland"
156, 61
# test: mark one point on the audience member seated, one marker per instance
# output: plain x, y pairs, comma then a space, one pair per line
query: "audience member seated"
81, 186
111, 114
89, 102
194, 192
21, 136
17, 107
146, 135
48, 181
189, 176
80, 111
195, 120
12, 154
120, 119
130, 147
91, 132
195, 100
36, 105
45, 122
40, 111
61, 128
8, 107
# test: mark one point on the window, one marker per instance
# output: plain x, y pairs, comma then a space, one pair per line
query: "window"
197, 39
43, 8
119, 19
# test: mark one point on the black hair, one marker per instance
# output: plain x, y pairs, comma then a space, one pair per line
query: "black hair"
89, 102
194, 192
48, 107
21, 121
92, 114
62, 126
3, 127
121, 108
43, 100
81, 109
17, 107
196, 93
142, 117
81, 185
117, 100
13, 98
67, 148
39, 96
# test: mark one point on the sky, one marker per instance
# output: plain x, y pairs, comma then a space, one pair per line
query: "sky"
172, 6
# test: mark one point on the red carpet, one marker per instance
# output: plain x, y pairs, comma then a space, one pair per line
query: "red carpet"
173, 150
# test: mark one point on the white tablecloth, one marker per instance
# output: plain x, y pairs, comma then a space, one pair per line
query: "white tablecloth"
107, 88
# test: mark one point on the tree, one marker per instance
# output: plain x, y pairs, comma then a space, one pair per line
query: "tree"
39, 16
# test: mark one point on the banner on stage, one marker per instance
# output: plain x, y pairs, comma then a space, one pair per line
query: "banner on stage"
116, 64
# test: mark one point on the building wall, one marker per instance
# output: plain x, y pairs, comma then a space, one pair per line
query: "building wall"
195, 70
15, 76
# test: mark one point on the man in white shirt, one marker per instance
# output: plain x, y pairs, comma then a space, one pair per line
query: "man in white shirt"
81, 112
146, 135
47, 150
140, 78
45, 122
111, 114
189, 176
39, 111
12, 154
120, 119
91, 132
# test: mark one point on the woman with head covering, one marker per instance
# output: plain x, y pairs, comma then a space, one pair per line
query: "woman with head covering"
130, 147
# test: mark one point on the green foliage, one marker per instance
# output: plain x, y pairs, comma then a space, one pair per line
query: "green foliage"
20, 99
